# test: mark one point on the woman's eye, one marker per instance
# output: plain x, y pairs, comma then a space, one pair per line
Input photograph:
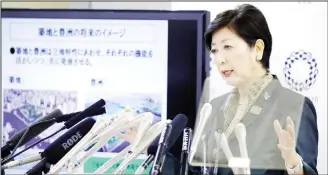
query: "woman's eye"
227, 47
214, 51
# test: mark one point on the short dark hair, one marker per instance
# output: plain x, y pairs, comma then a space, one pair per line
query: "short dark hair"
249, 23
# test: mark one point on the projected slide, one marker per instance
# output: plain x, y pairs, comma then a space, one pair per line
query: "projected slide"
69, 64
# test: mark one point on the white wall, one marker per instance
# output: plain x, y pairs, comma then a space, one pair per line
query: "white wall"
91, 5
294, 26
132, 5
46, 5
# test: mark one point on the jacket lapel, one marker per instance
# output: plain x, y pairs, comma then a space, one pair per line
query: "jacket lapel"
263, 102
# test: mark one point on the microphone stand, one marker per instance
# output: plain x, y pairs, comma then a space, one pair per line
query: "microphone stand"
205, 169
217, 136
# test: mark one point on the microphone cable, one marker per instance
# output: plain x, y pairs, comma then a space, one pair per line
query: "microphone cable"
26, 132
78, 116
35, 143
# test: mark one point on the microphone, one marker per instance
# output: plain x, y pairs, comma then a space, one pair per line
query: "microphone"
224, 145
144, 121
42, 124
83, 114
145, 164
67, 141
240, 132
89, 113
217, 150
102, 125
68, 124
186, 142
151, 151
148, 138
151, 134
93, 109
205, 114
33, 132
205, 169
56, 150
244, 162
53, 153
161, 150
21, 162
143, 127
39, 168
223, 142
177, 126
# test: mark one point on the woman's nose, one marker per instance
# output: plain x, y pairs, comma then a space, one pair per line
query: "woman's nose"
220, 59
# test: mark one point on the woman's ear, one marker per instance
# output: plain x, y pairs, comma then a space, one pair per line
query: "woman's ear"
259, 49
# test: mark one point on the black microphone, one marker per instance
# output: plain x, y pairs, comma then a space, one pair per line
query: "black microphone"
168, 137
151, 151
56, 150
61, 146
68, 124
33, 132
161, 150
186, 142
178, 124
67, 141
83, 114
39, 168
89, 113
42, 124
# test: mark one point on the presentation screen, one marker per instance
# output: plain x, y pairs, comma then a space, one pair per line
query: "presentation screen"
67, 59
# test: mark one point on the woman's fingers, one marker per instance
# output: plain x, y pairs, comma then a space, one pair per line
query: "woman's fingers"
278, 129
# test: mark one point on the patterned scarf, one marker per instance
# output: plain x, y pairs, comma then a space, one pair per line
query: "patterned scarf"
233, 112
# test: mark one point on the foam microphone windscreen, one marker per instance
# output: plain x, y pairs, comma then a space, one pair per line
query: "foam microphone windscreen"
83, 114
92, 112
56, 150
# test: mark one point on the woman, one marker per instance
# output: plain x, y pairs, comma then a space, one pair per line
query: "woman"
282, 136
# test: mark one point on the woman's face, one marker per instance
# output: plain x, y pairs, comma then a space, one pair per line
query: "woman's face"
235, 60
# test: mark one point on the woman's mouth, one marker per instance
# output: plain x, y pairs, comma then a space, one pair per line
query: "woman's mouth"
226, 73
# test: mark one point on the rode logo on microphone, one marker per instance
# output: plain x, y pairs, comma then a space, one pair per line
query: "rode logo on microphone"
74, 139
